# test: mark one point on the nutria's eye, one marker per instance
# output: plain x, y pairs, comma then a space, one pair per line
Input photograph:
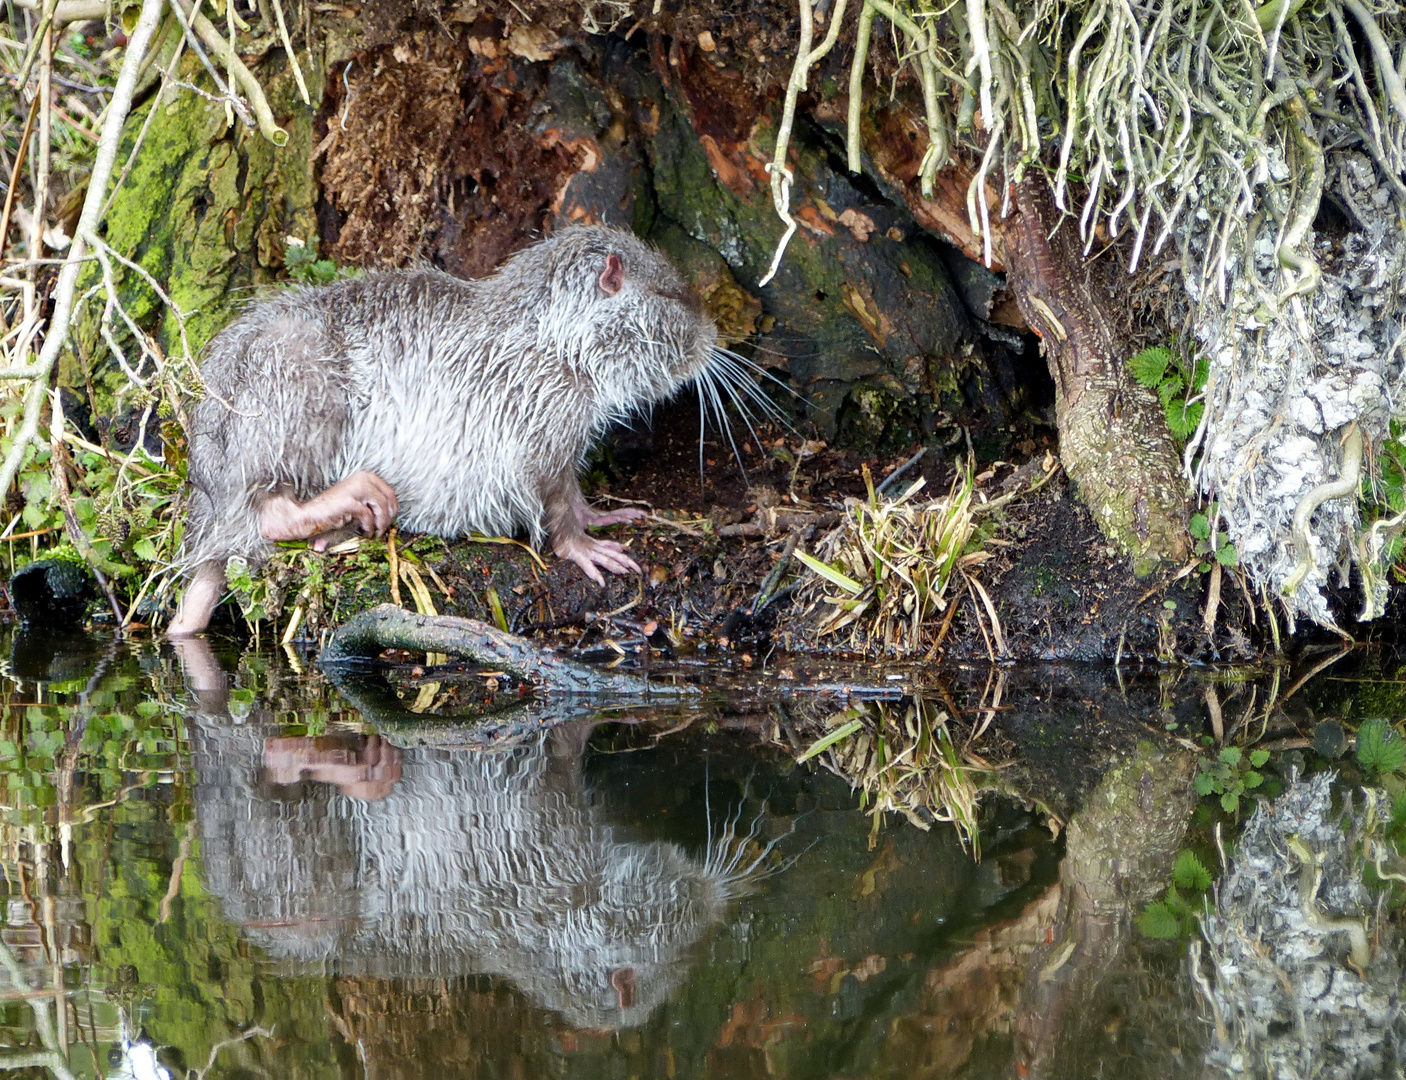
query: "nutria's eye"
612, 278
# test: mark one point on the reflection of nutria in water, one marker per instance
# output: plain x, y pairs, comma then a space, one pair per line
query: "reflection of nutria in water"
471, 862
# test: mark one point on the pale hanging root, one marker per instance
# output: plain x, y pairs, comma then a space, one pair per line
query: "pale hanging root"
926, 49
119, 106
780, 174
1345, 484
292, 53
856, 86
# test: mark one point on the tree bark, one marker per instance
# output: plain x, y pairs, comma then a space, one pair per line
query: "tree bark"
1113, 436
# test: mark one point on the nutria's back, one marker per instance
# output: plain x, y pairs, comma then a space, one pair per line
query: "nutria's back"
466, 397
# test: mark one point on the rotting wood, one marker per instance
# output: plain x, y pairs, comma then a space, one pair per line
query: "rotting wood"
364, 636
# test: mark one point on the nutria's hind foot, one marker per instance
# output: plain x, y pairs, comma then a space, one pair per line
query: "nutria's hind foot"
593, 519
363, 501
593, 555
207, 586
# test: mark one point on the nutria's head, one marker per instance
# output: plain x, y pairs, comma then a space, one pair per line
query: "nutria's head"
616, 310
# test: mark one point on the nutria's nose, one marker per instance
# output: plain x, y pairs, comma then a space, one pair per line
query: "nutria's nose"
623, 979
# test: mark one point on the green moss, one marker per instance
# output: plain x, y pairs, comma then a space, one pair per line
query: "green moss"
204, 212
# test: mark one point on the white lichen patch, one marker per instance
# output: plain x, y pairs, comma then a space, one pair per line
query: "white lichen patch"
1288, 378
1286, 995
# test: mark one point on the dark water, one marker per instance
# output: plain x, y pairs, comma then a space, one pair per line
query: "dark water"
215, 865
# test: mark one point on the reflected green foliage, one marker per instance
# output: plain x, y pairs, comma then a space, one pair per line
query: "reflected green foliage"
1231, 775
1175, 915
1380, 749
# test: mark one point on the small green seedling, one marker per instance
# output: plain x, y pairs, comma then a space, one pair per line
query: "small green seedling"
1207, 545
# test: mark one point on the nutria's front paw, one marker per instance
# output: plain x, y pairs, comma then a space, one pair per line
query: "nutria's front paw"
592, 556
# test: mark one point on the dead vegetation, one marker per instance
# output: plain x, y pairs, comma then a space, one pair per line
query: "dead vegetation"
911, 757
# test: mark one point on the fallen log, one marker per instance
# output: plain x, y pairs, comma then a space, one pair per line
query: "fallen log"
365, 636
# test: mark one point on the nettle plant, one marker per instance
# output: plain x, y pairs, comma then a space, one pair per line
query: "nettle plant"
1174, 916
1231, 775
1211, 545
1178, 381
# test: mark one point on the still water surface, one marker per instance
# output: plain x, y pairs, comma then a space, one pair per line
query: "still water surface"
215, 866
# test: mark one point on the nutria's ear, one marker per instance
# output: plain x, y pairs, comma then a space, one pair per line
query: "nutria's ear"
612, 278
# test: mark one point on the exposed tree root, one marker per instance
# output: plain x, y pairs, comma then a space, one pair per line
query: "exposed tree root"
389, 627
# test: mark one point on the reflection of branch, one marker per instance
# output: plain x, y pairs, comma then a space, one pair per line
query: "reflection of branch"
263, 1032
67, 11
173, 888
52, 1058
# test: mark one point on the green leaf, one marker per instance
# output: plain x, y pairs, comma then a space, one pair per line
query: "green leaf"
1258, 758
830, 574
1190, 873
1201, 374
34, 515
1231, 755
1230, 802
1199, 526
1252, 780
1159, 921
1226, 554
1170, 389
1379, 747
145, 550
1183, 419
1150, 365
840, 733
495, 605
1205, 784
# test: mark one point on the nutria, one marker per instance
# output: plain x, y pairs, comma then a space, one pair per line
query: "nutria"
457, 405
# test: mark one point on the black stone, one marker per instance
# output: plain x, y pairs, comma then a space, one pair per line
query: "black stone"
52, 594
1329, 740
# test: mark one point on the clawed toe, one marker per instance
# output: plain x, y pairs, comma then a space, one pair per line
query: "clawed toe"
593, 556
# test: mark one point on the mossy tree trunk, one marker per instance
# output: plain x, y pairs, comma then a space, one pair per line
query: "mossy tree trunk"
1113, 437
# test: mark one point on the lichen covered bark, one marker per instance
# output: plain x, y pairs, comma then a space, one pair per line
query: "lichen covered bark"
1113, 437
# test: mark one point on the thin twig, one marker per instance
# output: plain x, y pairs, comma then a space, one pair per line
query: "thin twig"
117, 110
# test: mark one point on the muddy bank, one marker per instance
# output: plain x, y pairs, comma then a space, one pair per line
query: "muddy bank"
717, 574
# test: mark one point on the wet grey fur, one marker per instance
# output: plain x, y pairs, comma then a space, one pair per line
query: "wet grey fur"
475, 400
476, 863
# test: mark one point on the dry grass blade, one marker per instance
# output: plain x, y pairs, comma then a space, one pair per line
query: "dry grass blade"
894, 564
904, 758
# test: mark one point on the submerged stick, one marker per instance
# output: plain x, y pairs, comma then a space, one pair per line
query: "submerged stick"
363, 636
